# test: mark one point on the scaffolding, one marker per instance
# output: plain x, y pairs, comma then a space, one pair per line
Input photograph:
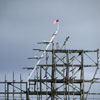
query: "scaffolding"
63, 75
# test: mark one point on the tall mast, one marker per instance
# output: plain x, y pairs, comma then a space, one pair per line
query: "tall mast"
43, 54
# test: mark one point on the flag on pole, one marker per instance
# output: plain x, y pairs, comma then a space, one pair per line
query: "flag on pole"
56, 22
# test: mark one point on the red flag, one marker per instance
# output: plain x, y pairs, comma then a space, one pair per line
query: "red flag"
56, 22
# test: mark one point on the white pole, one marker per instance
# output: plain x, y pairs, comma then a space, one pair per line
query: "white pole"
44, 52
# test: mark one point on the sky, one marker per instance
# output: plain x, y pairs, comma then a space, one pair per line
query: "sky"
23, 23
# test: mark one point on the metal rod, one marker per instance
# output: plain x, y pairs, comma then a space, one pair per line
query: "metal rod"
51, 40
13, 85
21, 86
7, 91
5, 87
82, 76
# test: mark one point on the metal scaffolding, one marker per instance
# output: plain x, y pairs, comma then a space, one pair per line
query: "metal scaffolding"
63, 75
64, 78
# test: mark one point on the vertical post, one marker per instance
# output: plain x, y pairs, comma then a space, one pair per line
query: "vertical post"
27, 92
5, 87
13, 85
37, 83
46, 75
40, 83
67, 76
7, 91
20, 87
64, 82
73, 78
53, 74
98, 58
82, 77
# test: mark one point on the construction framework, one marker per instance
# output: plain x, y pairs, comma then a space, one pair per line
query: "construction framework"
63, 75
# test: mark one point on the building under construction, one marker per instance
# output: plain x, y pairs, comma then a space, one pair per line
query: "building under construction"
63, 74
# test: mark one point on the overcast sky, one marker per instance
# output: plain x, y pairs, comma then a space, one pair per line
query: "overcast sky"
25, 22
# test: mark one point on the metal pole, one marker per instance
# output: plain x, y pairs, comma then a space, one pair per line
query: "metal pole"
13, 85
73, 79
67, 75
37, 83
27, 92
5, 87
82, 77
7, 91
20, 86
46, 75
53, 73
40, 83
51, 40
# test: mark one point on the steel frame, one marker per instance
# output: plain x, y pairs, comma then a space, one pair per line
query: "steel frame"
61, 77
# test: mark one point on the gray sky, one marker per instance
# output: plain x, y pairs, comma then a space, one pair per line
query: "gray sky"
25, 22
